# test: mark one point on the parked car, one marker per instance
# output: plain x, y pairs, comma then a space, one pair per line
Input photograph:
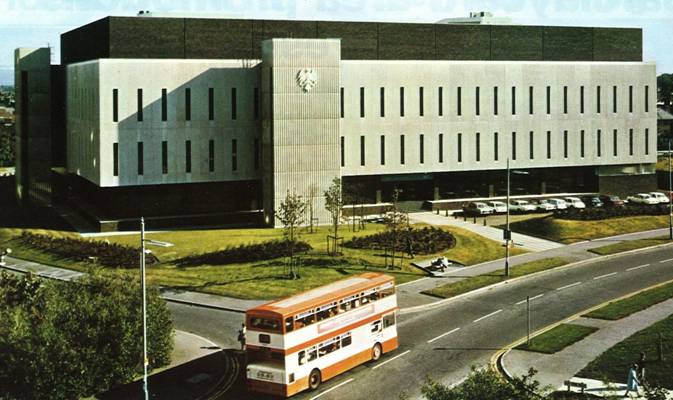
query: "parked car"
498, 206
660, 197
560, 204
545, 205
610, 200
521, 206
575, 202
478, 208
592, 201
642, 198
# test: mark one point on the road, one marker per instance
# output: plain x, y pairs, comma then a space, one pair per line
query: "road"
445, 342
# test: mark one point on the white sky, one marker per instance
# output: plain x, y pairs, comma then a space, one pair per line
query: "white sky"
36, 23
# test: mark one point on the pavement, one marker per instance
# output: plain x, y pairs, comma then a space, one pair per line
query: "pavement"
554, 369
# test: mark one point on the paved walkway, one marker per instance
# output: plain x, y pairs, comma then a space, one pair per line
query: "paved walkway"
526, 242
556, 368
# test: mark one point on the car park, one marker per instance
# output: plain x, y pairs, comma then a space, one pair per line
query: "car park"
592, 201
521, 206
610, 200
642, 198
560, 204
575, 202
498, 206
545, 205
478, 208
660, 197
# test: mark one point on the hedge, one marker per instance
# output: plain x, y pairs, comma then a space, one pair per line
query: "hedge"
595, 214
423, 241
246, 253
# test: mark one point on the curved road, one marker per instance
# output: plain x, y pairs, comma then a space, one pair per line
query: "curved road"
445, 342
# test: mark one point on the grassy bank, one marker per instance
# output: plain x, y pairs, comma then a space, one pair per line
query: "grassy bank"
613, 364
558, 338
629, 245
625, 307
568, 231
479, 281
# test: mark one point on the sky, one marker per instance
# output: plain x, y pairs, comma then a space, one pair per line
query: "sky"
39, 23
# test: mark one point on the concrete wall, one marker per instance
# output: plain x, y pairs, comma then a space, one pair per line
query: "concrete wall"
301, 127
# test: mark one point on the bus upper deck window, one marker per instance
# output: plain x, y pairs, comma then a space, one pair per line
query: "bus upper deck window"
289, 324
265, 323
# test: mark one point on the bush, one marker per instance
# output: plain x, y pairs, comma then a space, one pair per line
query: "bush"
594, 214
247, 253
423, 241
107, 254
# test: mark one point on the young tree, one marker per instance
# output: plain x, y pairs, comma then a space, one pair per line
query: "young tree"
310, 200
68, 340
291, 214
334, 205
396, 221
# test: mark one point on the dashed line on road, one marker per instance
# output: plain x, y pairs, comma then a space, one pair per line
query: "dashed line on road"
531, 299
444, 334
487, 315
638, 267
604, 276
666, 260
568, 286
392, 359
332, 388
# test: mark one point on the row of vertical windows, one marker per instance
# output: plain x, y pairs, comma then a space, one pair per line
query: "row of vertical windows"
188, 156
531, 146
188, 104
459, 111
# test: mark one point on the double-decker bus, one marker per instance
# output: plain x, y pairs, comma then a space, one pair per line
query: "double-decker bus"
300, 341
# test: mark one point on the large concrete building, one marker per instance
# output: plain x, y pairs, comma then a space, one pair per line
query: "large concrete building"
215, 120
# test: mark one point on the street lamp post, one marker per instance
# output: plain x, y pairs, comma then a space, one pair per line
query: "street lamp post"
144, 294
670, 190
507, 233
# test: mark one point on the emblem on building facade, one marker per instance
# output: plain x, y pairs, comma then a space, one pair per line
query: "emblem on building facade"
307, 78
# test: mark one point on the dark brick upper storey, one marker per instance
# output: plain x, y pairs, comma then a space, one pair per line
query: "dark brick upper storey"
201, 38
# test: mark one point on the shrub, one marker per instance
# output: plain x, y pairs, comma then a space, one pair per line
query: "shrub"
107, 254
423, 241
594, 214
247, 253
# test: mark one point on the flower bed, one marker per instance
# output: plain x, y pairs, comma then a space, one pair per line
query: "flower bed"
423, 241
246, 253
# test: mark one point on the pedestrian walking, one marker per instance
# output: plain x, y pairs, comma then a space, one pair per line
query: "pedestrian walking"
632, 382
241, 336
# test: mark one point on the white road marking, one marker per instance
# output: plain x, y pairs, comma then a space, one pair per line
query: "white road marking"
487, 315
638, 267
568, 286
604, 276
332, 388
531, 299
667, 260
387, 361
443, 334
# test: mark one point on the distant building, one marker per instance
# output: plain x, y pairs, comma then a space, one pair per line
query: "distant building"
194, 120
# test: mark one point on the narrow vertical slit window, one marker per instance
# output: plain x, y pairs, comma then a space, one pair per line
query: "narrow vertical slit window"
164, 157
422, 149
647, 141
476, 101
255, 101
630, 142
614, 142
531, 147
401, 102
257, 153
139, 99
188, 104
211, 155
188, 156
383, 150
441, 147
530, 100
647, 98
164, 105
548, 145
115, 105
598, 143
382, 102
513, 145
211, 104
440, 101
581, 99
495, 100
495, 146
342, 148
513, 100
141, 166
565, 144
614, 99
115, 159
582, 143
598, 99
565, 99
548, 100
630, 99
362, 151
234, 155
420, 101
362, 102
477, 148
460, 147
341, 102
233, 103
402, 149
459, 101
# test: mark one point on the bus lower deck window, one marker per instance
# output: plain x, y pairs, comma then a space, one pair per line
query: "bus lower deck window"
388, 320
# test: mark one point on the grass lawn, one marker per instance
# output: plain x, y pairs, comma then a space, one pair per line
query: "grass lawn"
613, 365
479, 281
263, 279
625, 307
629, 245
567, 231
558, 338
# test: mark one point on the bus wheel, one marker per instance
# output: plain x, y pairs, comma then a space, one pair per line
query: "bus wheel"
376, 352
314, 379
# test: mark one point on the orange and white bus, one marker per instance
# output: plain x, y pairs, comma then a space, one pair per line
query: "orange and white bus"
300, 341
